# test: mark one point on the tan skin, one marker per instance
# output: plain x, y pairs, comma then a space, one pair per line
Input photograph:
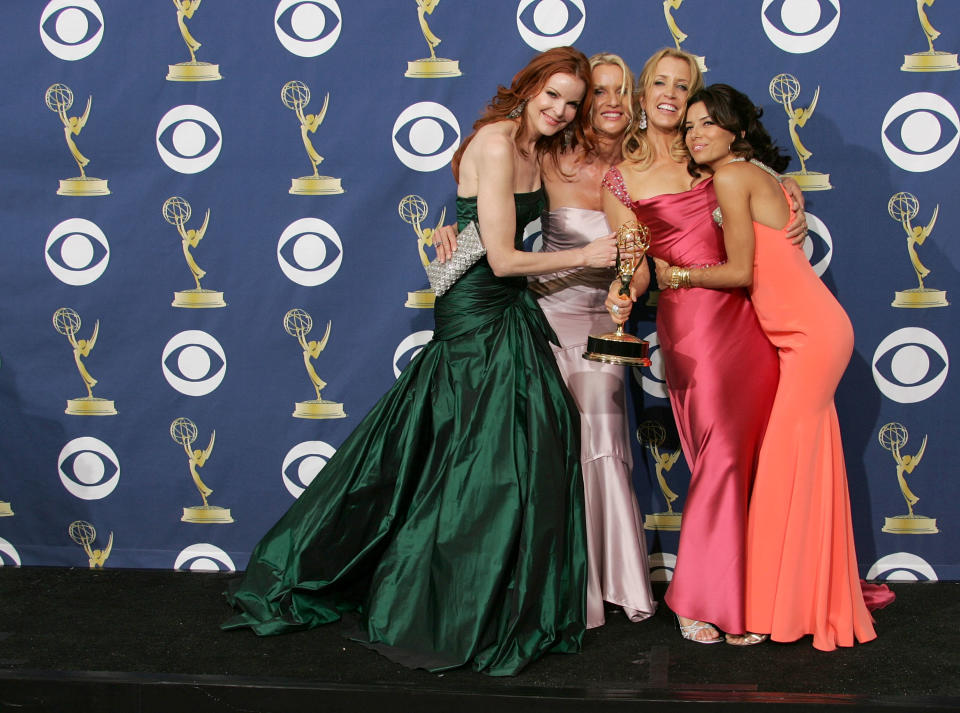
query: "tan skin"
663, 102
493, 169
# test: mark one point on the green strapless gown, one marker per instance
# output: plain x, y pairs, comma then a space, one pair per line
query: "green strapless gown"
450, 522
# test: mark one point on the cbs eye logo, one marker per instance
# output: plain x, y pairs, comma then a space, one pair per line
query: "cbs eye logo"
309, 251
203, 557
545, 24
71, 29
303, 463
88, 468
909, 355
307, 28
77, 251
533, 237
193, 363
818, 247
927, 128
800, 26
651, 378
189, 139
902, 567
425, 136
408, 349
8, 554
662, 565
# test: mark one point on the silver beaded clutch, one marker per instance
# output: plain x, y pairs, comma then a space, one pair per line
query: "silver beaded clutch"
470, 248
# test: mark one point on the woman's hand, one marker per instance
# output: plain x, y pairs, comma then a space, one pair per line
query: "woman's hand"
618, 305
602, 252
797, 229
663, 273
444, 241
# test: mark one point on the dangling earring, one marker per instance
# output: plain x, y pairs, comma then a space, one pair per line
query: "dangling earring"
642, 122
517, 110
567, 137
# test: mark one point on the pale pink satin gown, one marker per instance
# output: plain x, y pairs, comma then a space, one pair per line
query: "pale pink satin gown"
721, 373
573, 301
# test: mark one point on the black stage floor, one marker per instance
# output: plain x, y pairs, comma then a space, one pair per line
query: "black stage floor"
144, 641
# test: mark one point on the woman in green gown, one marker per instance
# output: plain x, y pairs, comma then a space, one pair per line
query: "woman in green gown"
450, 522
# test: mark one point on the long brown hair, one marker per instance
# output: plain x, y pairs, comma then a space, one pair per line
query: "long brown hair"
635, 145
526, 84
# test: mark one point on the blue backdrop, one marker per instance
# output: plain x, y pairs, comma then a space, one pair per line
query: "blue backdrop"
124, 268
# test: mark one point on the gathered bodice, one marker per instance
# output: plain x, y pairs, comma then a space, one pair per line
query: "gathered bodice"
682, 229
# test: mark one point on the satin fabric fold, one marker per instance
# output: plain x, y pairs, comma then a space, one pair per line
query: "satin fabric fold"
450, 522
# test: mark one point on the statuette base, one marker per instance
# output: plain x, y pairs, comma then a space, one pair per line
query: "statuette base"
198, 299
87, 406
702, 63
421, 299
666, 521
811, 181
83, 186
5, 509
319, 409
617, 348
430, 68
919, 298
193, 72
315, 186
930, 62
910, 525
210, 514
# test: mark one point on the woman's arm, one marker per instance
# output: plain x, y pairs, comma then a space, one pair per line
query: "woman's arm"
493, 156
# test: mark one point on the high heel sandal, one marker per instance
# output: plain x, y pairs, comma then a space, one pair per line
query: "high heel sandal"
748, 639
690, 631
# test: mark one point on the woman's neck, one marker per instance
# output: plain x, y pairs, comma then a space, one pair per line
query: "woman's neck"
608, 148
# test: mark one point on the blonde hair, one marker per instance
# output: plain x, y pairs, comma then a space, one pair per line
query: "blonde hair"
627, 88
636, 147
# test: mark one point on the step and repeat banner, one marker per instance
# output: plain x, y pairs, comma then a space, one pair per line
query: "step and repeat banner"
216, 216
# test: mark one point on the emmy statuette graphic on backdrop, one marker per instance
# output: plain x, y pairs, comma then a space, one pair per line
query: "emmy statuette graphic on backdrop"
413, 210
296, 95
785, 89
652, 434
67, 322
192, 71
675, 31
893, 437
633, 238
176, 211
931, 60
432, 66
184, 432
903, 207
298, 323
5, 509
59, 99
84, 534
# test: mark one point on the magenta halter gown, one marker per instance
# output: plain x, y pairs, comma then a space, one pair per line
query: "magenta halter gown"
722, 374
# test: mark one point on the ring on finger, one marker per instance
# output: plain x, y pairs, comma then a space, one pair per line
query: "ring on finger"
615, 309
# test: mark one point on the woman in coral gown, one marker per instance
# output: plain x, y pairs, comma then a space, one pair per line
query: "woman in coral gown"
802, 573
450, 522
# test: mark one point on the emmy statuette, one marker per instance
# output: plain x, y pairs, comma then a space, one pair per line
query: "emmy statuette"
192, 71
931, 60
903, 208
184, 432
785, 89
295, 96
5, 509
176, 211
675, 31
431, 67
298, 323
59, 99
893, 437
652, 434
84, 534
617, 347
413, 210
67, 322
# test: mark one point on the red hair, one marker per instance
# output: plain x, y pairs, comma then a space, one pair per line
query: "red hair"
527, 83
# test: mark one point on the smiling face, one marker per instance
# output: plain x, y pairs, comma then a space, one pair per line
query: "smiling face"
665, 95
611, 111
707, 141
556, 104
